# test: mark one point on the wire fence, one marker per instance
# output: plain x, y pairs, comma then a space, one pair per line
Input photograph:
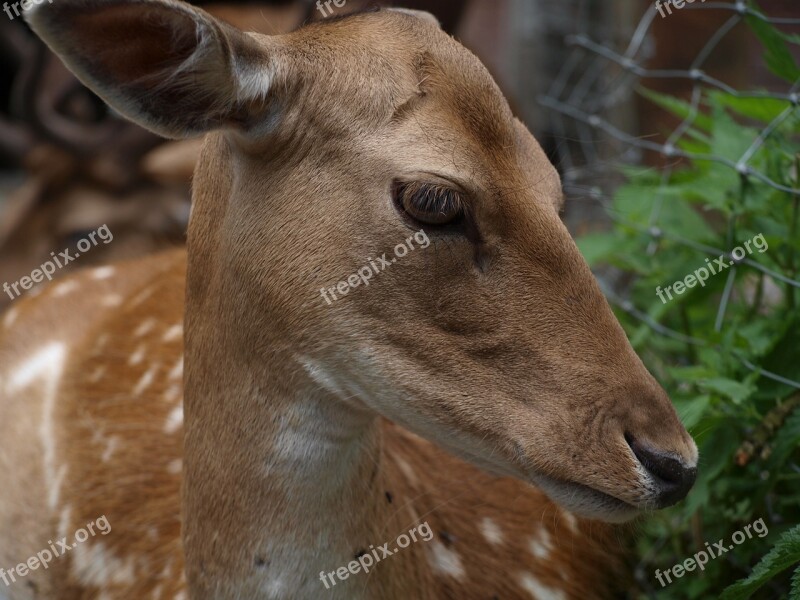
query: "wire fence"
596, 78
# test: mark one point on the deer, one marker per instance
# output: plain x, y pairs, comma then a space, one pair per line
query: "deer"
242, 437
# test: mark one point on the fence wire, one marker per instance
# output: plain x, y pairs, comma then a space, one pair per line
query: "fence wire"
595, 79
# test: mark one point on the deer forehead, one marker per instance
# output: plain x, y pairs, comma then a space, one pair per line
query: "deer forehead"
424, 103
392, 72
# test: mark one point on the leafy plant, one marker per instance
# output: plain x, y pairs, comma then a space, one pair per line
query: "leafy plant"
728, 350
785, 553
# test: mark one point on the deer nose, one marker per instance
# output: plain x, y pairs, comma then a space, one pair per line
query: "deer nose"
672, 476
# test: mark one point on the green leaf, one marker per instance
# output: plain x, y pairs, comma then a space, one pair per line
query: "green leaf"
738, 392
691, 410
785, 443
777, 56
731, 139
794, 594
691, 374
784, 554
677, 107
765, 110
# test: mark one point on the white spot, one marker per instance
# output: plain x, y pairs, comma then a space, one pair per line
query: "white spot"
177, 370
570, 520
55, 487
111, 300
96, 566
10, 317
173, 393
65, 287
101, 343
143, 295
98, 434
137, 356
542, 545
406, 469
173, 334
63, 521
538, 590
97, 374
166, 572
444, 560
174, 420
112, 443
491, 531
145, 328
145, 381
102, 272
47, 364
175, 466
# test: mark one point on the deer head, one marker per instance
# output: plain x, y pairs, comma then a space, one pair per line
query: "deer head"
329, 147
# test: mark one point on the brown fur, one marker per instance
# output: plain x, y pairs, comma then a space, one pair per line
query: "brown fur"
497, 346
137, 489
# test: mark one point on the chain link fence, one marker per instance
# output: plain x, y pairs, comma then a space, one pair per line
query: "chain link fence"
596, 80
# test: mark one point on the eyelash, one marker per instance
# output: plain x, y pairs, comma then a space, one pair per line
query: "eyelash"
443, 205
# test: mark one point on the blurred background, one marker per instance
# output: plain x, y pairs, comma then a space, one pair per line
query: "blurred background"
677, 134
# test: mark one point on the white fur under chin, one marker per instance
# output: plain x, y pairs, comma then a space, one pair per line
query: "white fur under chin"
586, 503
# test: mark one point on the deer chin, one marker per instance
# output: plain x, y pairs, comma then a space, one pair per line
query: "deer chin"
585, 501
578, 498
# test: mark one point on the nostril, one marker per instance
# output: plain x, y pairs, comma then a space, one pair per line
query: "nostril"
673, 478
665, 468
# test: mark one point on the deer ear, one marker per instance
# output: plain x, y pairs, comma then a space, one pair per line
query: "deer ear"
168, 66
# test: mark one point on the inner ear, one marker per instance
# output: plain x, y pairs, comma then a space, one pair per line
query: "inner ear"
168, 66
169, 40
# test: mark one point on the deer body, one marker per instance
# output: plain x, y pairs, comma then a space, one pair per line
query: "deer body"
321, 490
492, 352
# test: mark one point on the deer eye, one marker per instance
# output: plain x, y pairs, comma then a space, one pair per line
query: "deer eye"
429, 203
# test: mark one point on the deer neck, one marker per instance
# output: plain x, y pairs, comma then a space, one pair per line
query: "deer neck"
283, 477
279, 479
